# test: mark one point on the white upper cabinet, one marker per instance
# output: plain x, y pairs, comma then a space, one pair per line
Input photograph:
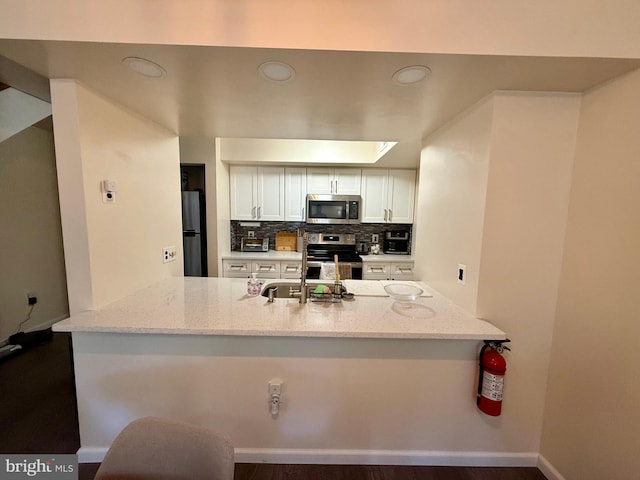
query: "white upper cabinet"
295, 194
388, 196
336, 181
257, 193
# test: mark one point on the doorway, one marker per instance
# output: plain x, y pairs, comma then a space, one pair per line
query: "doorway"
194, 225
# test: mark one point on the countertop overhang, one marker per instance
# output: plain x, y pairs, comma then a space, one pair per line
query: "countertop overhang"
221, 306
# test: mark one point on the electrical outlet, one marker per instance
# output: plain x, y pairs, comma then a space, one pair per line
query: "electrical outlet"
169, 254
462, 273
251, 234
32, 298
374, 238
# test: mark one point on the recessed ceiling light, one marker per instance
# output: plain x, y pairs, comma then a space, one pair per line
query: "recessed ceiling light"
144, 67
411, 75
276, 71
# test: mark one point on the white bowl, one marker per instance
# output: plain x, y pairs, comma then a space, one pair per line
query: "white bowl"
402, 292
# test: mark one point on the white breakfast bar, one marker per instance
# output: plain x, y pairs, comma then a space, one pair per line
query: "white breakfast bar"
364, 381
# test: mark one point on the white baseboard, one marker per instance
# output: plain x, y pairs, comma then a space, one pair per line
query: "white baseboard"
386, 457
362, 457
548, 470
91, 454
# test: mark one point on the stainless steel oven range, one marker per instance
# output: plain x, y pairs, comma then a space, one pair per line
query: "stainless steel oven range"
323, 247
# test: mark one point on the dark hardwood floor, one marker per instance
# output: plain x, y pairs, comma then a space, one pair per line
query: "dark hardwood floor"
37, 415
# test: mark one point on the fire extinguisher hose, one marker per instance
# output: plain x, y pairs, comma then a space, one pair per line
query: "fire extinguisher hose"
480, 380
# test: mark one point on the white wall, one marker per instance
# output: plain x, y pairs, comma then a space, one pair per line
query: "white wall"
518, 27
30, 235
494, 194
592, 417
344, 400
223, 207
114, 249
202, 150
532, 150
454, 168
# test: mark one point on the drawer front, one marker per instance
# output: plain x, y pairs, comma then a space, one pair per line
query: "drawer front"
262, 268
236, 269
290, 269
375, 269
401, 271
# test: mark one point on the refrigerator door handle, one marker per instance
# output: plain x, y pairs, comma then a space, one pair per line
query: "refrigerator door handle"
189, 233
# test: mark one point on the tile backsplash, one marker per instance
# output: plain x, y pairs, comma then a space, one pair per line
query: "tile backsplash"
363, 231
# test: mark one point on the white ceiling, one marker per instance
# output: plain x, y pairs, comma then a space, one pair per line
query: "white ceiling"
217, 92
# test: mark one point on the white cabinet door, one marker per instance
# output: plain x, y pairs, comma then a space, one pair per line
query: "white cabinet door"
401, 196
257, 193
242, 189
320, 181
295, 194
347, 181
388, 196
374, 195
270, 193
336, 181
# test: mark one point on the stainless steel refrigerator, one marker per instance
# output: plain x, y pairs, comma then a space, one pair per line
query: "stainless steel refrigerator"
193, 237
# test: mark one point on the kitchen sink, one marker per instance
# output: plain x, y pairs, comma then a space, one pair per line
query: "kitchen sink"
284, 289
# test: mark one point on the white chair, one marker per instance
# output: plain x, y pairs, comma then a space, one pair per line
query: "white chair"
157, 449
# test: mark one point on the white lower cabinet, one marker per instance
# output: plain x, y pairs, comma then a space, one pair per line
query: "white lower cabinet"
290, 269
236, 268
387, 271
263, 268
266, 269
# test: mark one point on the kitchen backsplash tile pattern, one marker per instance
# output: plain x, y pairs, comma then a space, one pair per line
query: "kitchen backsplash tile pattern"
363, 231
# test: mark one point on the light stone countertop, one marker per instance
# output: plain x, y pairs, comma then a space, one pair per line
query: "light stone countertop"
220, 306
282, 255
270, 255
387, 258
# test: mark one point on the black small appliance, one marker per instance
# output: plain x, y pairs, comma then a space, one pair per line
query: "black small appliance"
396, 242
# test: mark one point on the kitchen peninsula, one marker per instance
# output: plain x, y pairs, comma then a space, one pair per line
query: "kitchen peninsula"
357, 376
221, 306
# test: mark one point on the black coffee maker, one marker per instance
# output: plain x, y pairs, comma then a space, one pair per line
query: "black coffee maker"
396, 242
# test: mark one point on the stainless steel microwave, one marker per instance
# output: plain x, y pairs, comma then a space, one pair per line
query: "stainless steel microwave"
333, 209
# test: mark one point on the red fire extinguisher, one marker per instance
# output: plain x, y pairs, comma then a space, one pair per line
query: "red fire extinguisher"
491, 379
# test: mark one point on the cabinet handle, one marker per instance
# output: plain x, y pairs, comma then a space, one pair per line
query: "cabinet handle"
303, 213
336, 187
377, 269
389, 214
385, 214
259, 212
253, 212
263, 268
236, 267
